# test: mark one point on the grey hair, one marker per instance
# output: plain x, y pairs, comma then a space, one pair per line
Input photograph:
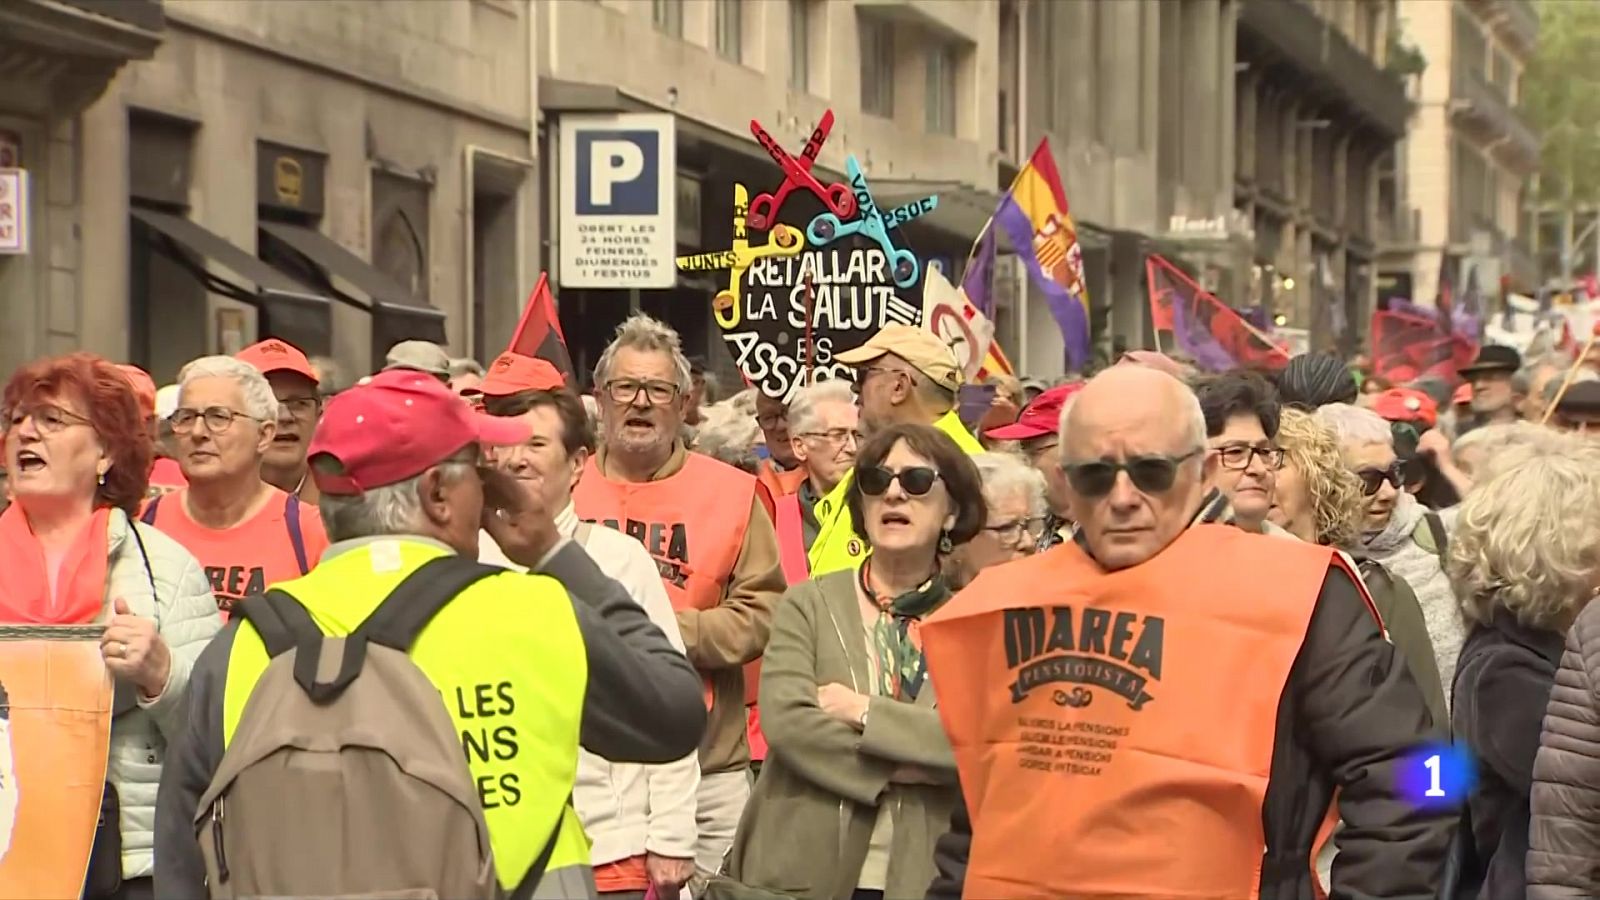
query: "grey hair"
646, 334
1354, 425
1527, 539
389, 510
1005, 473
803, 415
259, 401
1488, 443
729, 435
465, 366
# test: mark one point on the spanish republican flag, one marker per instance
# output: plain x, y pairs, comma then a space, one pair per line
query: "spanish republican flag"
1034, 216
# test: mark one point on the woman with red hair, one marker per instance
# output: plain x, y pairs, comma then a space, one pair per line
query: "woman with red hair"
78, 458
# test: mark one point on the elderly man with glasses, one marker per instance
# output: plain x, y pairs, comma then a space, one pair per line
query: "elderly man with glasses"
1166, 687
246, 533
711, 540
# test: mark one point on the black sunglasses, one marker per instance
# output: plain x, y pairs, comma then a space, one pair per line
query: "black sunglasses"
916, 481
1150, 474
1372, 479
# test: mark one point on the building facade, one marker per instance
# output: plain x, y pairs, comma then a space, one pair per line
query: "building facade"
911, 84
1465, 170
56, 58
1321, 106
340, 174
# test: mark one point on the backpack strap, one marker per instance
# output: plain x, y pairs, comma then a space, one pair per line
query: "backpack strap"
149, 515
284, 624
1441, 538
530, 881
415, 601
291, 518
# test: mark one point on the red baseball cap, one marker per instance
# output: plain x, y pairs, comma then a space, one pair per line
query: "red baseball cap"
1463, 395
144, 387
1407, 405
513, 373
395, 425
1039, 418
273, 355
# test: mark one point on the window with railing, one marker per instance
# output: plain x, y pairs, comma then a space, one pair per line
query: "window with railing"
667, 16
940, 102
877, 67
1471, 50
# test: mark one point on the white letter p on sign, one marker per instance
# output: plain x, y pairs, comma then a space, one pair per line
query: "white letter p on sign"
612, 163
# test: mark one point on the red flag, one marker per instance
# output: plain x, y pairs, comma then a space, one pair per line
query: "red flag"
539, 332
1406, 346
1207, 330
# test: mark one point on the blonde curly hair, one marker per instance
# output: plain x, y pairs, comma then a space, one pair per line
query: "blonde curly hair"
1527, 538
1337, 503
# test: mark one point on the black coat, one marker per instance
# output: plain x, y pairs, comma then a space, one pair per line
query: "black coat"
1503, 682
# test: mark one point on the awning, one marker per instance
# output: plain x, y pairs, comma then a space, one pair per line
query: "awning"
286, 308
963, 210
397, 314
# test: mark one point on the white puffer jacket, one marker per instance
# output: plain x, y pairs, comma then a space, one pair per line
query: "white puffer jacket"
186, 617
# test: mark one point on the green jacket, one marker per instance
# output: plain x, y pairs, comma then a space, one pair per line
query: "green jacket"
807, 827
837, 545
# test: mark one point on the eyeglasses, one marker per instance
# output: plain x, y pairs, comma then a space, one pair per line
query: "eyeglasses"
218, 419
1018, 531
1373, 479
771, 420
1150, 474
47, 418
627, 390
836, 436
1239, 456
915, 481
301, 407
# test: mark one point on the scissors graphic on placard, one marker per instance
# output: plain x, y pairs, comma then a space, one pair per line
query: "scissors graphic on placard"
784, 241
874, 224
797, 174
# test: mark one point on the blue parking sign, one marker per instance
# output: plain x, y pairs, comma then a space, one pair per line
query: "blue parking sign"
619, 173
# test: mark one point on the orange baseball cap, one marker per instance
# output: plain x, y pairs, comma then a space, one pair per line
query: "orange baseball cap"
513, 373
273, 355
144, 387
1463, 395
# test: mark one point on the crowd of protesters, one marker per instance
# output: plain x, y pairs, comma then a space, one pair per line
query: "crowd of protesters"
758, 647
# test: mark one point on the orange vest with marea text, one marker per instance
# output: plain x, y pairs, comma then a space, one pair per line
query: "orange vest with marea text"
692, 523
1114, 731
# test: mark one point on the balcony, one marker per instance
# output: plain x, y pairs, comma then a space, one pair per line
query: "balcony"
1322, 62
1481, 108
101, 30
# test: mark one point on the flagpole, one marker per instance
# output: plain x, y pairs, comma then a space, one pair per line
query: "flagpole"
1572, 375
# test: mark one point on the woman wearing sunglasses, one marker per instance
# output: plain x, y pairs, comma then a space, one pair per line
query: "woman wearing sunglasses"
861, 780
79, 458
1397, 530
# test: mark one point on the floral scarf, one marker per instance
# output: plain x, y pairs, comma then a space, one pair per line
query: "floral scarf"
25, 596
896, 637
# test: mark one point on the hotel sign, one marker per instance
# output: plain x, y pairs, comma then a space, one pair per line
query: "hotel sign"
13, 211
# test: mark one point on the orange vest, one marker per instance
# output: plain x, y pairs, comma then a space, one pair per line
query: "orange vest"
790, 525
781, 484
1134, 713
692, 522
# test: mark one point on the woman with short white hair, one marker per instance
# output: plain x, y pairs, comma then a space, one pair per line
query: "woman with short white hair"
1013, 494
1397, 530
247, 534
1525, 562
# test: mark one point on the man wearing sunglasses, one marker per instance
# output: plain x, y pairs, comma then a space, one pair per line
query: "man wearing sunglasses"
711, 539
1119, 697
904, 376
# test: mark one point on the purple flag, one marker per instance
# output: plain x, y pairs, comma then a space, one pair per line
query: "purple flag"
978, 280
1067, 310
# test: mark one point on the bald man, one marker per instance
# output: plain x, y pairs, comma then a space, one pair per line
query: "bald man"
1116, 700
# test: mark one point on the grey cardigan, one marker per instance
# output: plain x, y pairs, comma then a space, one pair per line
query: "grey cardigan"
808, 824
